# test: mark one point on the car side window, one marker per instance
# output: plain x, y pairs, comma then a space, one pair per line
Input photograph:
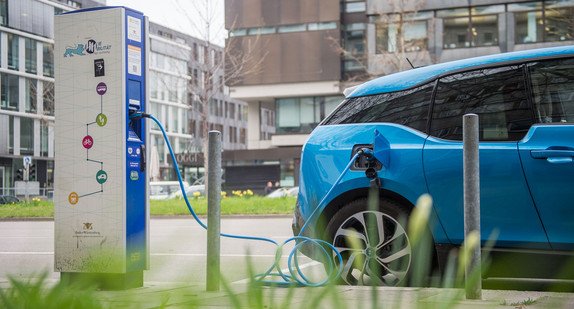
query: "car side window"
553, 90
407, 107
496, 95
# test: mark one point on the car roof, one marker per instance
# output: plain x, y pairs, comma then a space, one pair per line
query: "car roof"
410, 78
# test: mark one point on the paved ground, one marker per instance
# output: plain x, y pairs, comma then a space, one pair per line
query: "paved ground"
177, 277
177, 296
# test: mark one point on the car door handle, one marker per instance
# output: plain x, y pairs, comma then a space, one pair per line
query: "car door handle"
554, 155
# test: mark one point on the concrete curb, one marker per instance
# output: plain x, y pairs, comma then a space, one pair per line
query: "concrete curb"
160, 217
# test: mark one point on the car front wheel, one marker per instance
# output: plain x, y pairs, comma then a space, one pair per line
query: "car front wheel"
374, 244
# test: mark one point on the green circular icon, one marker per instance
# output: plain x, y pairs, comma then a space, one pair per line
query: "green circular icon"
101, 119
101, 176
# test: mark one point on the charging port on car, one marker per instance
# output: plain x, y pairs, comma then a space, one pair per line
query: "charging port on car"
365, 160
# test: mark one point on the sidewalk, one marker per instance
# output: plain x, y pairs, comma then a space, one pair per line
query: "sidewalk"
154, 295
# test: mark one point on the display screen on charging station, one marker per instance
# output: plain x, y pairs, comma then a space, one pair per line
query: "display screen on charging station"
101, 207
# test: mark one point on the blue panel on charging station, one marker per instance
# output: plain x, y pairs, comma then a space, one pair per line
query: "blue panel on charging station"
135, 142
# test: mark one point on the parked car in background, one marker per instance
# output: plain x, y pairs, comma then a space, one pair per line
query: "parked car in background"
525, 104
8, 199
283, 192
161, 190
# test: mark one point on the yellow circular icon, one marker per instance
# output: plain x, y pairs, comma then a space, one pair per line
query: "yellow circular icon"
73, 198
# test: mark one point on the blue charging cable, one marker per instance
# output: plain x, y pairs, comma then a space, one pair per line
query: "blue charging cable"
296, 276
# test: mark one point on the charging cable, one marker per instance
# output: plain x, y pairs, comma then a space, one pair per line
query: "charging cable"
296, 276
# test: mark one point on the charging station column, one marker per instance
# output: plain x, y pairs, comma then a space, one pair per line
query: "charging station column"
101, 183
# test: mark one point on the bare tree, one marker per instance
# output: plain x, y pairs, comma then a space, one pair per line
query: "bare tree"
212, 70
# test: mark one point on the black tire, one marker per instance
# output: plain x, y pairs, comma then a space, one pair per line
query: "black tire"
373, 243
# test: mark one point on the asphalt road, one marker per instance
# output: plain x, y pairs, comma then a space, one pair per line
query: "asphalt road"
178, 248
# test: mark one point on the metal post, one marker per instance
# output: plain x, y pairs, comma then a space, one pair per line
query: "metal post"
213, 210
26, 179
471, 176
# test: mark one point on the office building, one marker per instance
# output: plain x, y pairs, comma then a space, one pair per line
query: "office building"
312, 50
180, 66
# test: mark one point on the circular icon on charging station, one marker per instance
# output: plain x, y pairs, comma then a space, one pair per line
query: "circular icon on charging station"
73, 198
101, 176
101, 120
88, 142
101, 88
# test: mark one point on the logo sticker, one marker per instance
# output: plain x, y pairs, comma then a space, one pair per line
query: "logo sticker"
91, 47
77, 50
99, 69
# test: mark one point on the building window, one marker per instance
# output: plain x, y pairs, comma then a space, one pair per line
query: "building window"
174, 119
48, 98
31, 53
354, 38
13, 48
3, 12
155, 111
10, 134
43, 138
263, 30
153, 87
548, 21
231, 114
238, 32
351, 6
48, 59
302, 115
10, 91
409, 29
322, 26
291, 28
26, 135
470, 27
242, 136
31, 90
171, 87
159, 143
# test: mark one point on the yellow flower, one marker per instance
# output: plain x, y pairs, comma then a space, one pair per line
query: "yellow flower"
196, 194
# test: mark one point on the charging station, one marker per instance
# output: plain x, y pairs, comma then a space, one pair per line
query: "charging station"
101, 182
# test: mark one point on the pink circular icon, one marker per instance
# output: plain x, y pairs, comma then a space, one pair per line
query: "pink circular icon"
101, 88
88, 142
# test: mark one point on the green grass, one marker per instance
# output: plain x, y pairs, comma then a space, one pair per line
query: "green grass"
252, 205
31, 210
523, 303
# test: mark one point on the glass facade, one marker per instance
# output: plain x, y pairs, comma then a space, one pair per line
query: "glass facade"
26, 136
470, 27
10, 85
31, 66
13, 45
398, 32
48, 59
302, 115
48, 98
31, 89
3, 12
547, 21
354, 41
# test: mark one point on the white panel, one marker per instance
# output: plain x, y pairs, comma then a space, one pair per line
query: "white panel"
88, 214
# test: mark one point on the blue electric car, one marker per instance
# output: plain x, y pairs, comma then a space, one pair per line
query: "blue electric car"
525, 104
